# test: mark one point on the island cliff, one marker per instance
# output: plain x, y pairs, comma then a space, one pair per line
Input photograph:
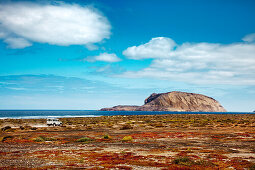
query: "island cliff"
174, 101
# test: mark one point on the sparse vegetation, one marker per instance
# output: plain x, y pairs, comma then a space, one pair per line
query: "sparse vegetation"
126, 126
158, 141
39, 139
4, 138
127, 138
84, 139
107, 136
183, 161
6, 128
43, 138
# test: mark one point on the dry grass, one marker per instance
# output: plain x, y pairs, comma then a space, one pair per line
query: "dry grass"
154, 141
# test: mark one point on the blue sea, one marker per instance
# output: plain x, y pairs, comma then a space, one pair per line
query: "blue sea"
42, 114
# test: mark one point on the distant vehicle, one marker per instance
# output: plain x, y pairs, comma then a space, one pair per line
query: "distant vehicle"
54, 122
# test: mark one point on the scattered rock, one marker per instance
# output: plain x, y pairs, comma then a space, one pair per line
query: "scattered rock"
2, 139
6, 128
126, 126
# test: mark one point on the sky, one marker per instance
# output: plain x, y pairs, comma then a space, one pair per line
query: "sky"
90, 54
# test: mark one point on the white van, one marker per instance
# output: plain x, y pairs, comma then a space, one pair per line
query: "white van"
54, 122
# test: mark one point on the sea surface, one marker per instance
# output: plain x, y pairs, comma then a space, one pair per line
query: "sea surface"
42, 114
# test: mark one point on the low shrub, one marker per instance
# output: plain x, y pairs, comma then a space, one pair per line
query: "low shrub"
27, 127
252, 167
43, 138
106, 136
49, 139
39, 139
2, 139
6, 128
158, 124
183, 161
84, 139
127, 138
126, 126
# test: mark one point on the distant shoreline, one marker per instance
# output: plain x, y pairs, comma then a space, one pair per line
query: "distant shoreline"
43, 114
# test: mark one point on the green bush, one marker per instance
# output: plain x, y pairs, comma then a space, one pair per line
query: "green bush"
43, 138
84, 139
107, 136
127, 138
39, 139
49, 139
183, 161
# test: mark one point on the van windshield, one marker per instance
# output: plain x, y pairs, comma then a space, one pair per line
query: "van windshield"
52, 119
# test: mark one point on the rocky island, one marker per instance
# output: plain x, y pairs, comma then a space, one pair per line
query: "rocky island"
174, 101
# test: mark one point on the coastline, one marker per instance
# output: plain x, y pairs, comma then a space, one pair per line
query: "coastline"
43, 114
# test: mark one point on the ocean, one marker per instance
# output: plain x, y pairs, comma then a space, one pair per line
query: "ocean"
42, 114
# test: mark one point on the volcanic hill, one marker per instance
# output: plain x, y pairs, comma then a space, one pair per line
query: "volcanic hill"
174, 101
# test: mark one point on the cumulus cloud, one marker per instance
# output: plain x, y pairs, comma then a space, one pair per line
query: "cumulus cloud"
91, 47
2, 34
58, 24
204, 63
249, 38
159, 47
106, 57
17, 42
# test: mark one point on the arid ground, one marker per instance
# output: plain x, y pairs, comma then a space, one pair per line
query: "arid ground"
130, 142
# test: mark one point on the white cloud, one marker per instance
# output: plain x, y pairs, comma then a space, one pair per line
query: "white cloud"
249, 38
106, 57
159, 47
204, 63
17, 88
2, 34
91, 47
59, 24
17, 42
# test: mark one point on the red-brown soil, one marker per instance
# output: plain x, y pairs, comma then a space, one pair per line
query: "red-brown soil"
131, 142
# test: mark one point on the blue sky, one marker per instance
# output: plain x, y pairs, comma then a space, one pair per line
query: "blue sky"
100, 53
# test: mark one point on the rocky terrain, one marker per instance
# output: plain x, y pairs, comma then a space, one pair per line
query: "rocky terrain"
134, 142
174, 101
